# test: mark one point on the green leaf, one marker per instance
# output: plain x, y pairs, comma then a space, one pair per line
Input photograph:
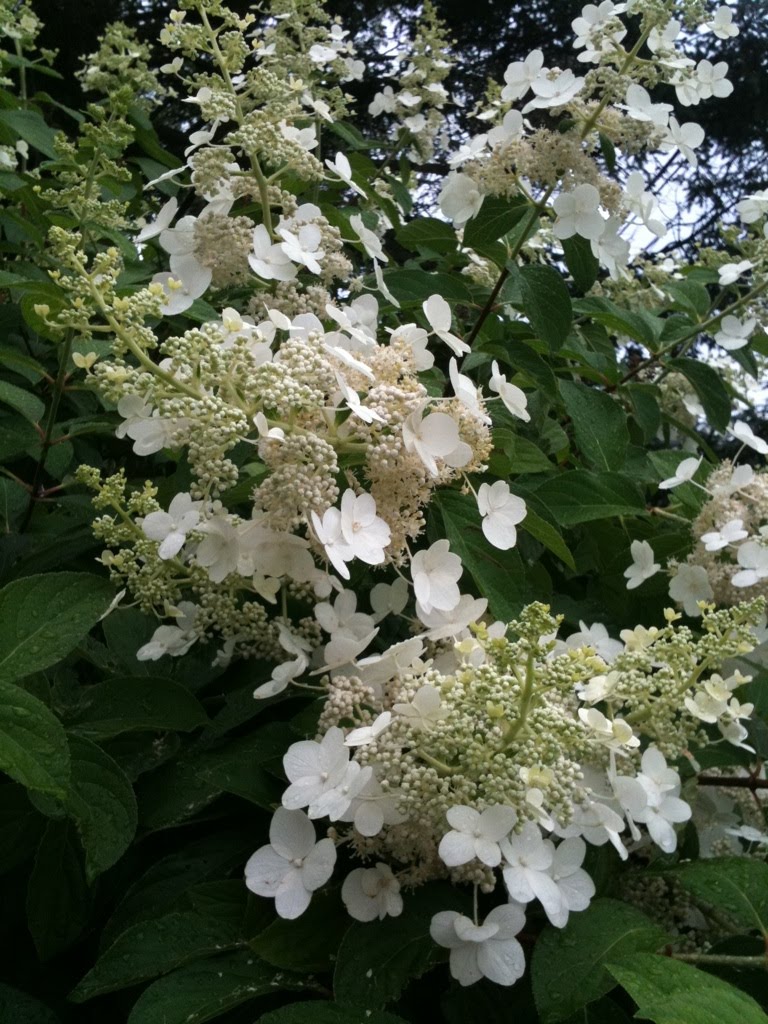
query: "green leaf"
582, 263
45, 617
645, 408
498, 575
546, 303
326, 1013
737, 885
157, 947
19, 1008
33, 744
495, 218
126, 703
414, 286
599, 424
689, 296
200, 992
578, 496
24, 402
21, 827
58, 897
172, 794
638, 325
377, 960
308, 944
30, 126
428, 233
669, 992
236, 768
568, 966
708, 385
548, 535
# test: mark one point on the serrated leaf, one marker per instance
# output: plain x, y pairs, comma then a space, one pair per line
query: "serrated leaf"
200, 992
737, 885
428, 233
156, 947
377, 960
599, 424
128, 703
33, 744
409, 285
546, 303
568, 967
495, 218
579, 496
708, 385
30, 126
172, 794
669, 992
101, 801
582, 263
326, 1013
58, 897
308, 944
45, 617
548, 535
638, 325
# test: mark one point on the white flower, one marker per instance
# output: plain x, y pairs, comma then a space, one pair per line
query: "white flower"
520, 75
389, 598
511, 128
689, 586
284, 673
180, 243
513, 397
303, 246
574, 884
613, 733
729, 273
611, 249
435, 572
179, 294
734, 333
149, 431
753, 207
660, 785
304, 137
293, 866
743, 432
370, 241
476, 835
219, 550
578, 213
314, 769
424, 710
489, 950
741, 477
711, 80
684, 473
686, 137
368, 733
441, 625
598, 687
381, 285
528, 859
171, 528
592, 25
732, 532
722, 24
163, 220
554, 90
366, 533
438, 314
435, 436
640, 107
355, 405
595, 636
269, 260
174, 640
643, 204
371, 893
753, 558
466, 391
460, 198
501, 512
643, 565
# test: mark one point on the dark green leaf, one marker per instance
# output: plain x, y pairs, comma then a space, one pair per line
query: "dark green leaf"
200, 992
30, 126
377, 960
645, 407
548, 535
128, 703
546, 303
21, 827
326, 1013
24, 402
33, 744
568, 967
428, 233
308, 944
414, 286
172, 794
638, 325
102, 803
708, 385
58, 898
737, 885
689, 296
669, 992
582, 263
578, 496
157, 947
45, 617
599, 423
495, 218
19, 1008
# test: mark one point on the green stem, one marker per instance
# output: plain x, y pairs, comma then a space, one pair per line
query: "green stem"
721, 960
525, 703
441, 766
